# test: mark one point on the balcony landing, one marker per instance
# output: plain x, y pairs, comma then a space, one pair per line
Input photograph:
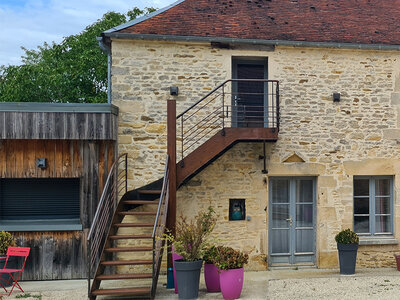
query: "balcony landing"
217, 145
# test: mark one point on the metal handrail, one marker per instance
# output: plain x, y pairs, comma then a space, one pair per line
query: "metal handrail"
218, 87
159, 228
201, 119
105, 211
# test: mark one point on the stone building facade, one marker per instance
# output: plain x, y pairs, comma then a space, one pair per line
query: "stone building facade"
336, 145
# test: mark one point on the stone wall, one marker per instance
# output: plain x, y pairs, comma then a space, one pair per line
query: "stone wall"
359, 135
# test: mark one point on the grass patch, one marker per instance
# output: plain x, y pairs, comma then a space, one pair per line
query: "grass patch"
39, 297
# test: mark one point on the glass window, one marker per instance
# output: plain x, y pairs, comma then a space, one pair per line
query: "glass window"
373, 205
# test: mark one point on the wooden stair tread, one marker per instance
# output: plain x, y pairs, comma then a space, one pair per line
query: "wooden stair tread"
150, 192
130, 236
133, 224
122, 291
126, 262
124, 276
128, 249
141, 202
137, 213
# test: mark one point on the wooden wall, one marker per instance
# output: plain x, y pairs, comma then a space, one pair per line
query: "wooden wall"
54, 255
59, 255
58, 125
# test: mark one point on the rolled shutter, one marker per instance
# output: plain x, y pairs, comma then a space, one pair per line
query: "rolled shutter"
39, 198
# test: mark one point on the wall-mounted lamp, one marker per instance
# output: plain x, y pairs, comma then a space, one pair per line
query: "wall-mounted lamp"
173, 90
336, 97
41, 163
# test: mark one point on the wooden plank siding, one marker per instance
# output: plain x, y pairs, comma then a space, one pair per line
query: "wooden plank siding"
58, 125
54, 255
59, 254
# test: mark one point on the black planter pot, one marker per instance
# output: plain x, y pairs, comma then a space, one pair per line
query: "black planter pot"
347, 258
12, 264
188, 278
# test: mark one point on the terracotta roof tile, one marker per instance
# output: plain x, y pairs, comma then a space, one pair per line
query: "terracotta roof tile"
344, 21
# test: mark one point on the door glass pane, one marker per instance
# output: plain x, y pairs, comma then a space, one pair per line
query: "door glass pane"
382, 224
280, 241
304, 215
361, 187
280, 212
361, 205
382, 205
280, 190
304, 191
304, 240
382, 187
361, 224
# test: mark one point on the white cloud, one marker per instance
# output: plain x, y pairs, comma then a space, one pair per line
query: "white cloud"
29, 23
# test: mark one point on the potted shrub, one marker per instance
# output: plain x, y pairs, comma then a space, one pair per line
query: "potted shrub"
6, 240
347, 244
230, 264
190, 242
211, 275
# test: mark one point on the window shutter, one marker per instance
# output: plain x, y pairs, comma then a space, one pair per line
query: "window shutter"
39, 198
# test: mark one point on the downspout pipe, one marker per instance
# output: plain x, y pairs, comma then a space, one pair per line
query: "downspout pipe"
107, 49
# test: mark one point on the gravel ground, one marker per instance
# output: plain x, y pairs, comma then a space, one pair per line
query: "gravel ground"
385, 287
277, 284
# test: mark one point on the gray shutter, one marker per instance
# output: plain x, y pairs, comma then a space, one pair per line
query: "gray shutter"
39, 198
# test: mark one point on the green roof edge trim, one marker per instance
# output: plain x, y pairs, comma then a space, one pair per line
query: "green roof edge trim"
58, 107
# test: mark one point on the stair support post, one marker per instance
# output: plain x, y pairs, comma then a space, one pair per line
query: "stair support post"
171, 149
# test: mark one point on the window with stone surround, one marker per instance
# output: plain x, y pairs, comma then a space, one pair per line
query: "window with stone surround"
373, 205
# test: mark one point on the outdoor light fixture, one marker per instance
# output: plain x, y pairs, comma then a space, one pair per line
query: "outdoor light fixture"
336, 97
173, 90
41, 163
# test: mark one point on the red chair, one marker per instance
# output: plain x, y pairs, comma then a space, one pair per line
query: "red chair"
16, 252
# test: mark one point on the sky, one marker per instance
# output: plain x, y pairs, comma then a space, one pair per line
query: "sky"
29, 23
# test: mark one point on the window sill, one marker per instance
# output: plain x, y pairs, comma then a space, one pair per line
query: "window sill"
369, 240
41, 225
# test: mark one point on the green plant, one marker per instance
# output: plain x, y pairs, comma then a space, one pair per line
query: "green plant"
6, 240
209, 254
227, 258
28, 296
347, 236
191, 237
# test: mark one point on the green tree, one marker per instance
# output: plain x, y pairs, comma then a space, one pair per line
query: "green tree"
74, 70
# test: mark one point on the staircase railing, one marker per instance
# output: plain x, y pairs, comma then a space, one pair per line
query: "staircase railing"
250, 103
116, 186
159, 228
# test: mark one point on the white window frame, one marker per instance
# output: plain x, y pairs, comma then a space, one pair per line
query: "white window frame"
372, 215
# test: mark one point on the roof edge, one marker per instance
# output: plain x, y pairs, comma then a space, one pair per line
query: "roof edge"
49, 107
143, 18
338, 45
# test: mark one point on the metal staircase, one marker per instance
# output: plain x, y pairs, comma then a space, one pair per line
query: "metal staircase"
124, 242
132, 227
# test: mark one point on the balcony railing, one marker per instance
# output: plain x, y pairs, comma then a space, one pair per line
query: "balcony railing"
240, 103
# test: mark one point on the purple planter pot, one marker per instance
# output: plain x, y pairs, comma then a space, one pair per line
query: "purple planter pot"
231, 282
174, 258
211, 277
